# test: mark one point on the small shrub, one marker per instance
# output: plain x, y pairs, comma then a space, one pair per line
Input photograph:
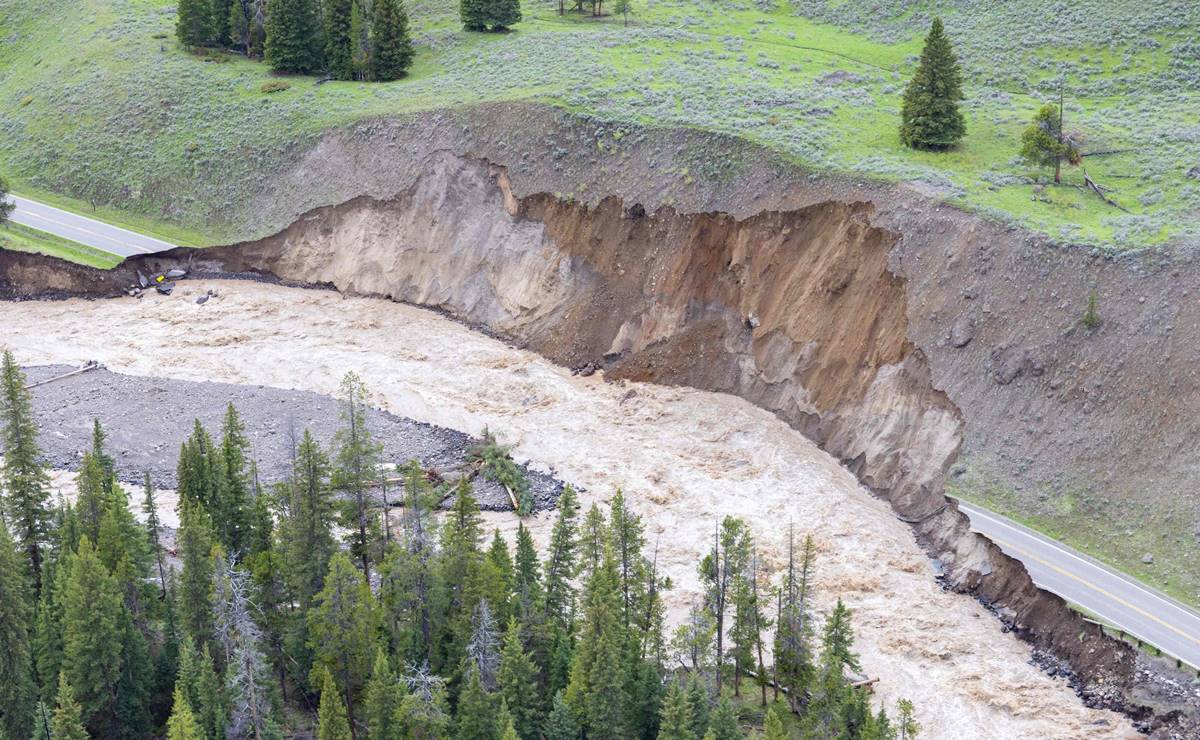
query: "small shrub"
26, 100
274, 86
1091, 318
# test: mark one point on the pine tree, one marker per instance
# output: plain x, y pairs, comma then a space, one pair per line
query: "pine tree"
930, 118
503, 14
6, 205
357, 452
508, 729
473, 14
593, 537
391, 46
205, 690
460, 564
41, 723
718, 572
183, 725
773, 728
220, 21
67, 723
150, 509
198, 473
360, 40
333, 723
92, 637
232, 512
906, 723
560, 722
293, 36
518, 681
193, 22
23, 479
92, 499
476, 710
47, 633
676, 721
409, 578
341, 628
623, 8
745, 633
16, 657
561, 562
195, 543
722, 724
137, 675
338, 52
597, 689
382, 701
794, 664
838, 638
246, 669
121, 538
239, 25
527, 576
1045, 143
699, 700
307, 530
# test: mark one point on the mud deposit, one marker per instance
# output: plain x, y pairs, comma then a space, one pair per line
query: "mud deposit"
683, 457
147, 419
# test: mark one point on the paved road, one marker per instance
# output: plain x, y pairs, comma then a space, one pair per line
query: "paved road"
84, 230
1115, 598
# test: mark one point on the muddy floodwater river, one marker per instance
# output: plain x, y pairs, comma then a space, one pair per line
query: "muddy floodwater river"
684, 458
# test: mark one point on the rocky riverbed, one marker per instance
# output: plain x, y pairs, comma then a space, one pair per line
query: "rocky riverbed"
146, 420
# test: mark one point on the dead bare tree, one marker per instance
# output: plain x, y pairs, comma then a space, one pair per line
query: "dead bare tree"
483, 649
240, 636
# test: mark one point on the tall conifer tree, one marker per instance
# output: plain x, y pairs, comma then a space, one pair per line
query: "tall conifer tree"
293, 36
391, 46
16, 656
92, 638
23, 480
183, 725
195, 542
930, 118
341, 628
333, 723
67, 722
336, 16
194, 22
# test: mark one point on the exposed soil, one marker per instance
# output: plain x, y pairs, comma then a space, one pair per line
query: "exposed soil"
683, 457
894, 331
147, 419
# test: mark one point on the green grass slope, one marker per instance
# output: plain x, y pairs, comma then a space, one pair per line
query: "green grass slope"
100, 103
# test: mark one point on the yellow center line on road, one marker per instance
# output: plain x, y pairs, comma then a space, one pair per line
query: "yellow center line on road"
1026, 554
75, 227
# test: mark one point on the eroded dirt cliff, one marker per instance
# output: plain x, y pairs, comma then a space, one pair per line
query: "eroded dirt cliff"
798, 310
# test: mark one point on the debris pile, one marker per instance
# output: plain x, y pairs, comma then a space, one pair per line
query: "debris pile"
163, 282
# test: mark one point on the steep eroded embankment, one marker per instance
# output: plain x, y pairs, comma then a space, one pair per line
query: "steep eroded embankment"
796, 311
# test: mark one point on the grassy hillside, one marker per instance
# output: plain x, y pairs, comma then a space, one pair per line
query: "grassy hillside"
100, 103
